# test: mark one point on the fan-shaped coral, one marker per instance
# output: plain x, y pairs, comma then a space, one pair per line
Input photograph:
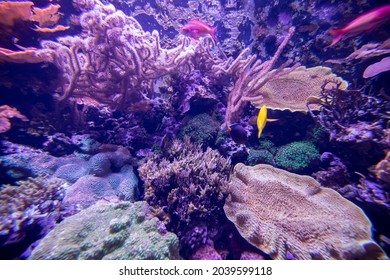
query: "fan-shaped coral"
289, 92
285, 214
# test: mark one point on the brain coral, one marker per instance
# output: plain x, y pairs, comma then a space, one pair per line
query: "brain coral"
109, 231
286, 214
289, 92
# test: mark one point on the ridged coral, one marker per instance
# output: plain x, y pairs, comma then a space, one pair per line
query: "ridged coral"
288, 215
109, 231
290, 92
184, 187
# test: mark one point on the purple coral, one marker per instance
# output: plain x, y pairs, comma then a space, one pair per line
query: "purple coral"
183, 186
350, 115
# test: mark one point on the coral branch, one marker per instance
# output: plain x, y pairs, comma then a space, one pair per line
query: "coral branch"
115, 62
250, 76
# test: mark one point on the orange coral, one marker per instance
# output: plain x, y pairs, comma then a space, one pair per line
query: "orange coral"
10, 12
7, 112
46, 17
28, 55
51, 30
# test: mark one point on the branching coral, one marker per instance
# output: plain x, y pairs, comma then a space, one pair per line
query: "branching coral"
115, 62
250, 75
184, 187
349, 115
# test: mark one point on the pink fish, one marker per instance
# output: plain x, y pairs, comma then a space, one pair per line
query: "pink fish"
366, 22
196, 29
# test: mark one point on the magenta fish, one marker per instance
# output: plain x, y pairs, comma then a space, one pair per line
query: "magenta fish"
196, 29
366, 22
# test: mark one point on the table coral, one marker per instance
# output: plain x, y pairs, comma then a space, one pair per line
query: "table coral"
109, 231
284, 214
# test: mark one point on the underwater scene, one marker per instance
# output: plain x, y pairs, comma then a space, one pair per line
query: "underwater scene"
194, 130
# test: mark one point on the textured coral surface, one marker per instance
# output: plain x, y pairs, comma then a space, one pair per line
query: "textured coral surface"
286, 214
109, 231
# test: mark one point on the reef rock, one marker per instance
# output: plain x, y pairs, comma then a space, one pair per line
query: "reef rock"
288, 215
109, 231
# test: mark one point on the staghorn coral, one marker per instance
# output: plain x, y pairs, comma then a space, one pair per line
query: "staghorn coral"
183, 185
109, 231
290, 91
288, 215
297, 156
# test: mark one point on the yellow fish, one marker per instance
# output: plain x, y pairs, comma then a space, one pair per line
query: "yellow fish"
262, 120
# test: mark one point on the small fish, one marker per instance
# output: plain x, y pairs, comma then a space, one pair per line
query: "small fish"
262, 120
366, 22
196, 29
238, 133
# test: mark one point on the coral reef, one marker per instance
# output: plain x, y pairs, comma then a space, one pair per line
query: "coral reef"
350, 115
105, 173
115, 62
28, 211
285, 214
183, 185
110, 231
250, 75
